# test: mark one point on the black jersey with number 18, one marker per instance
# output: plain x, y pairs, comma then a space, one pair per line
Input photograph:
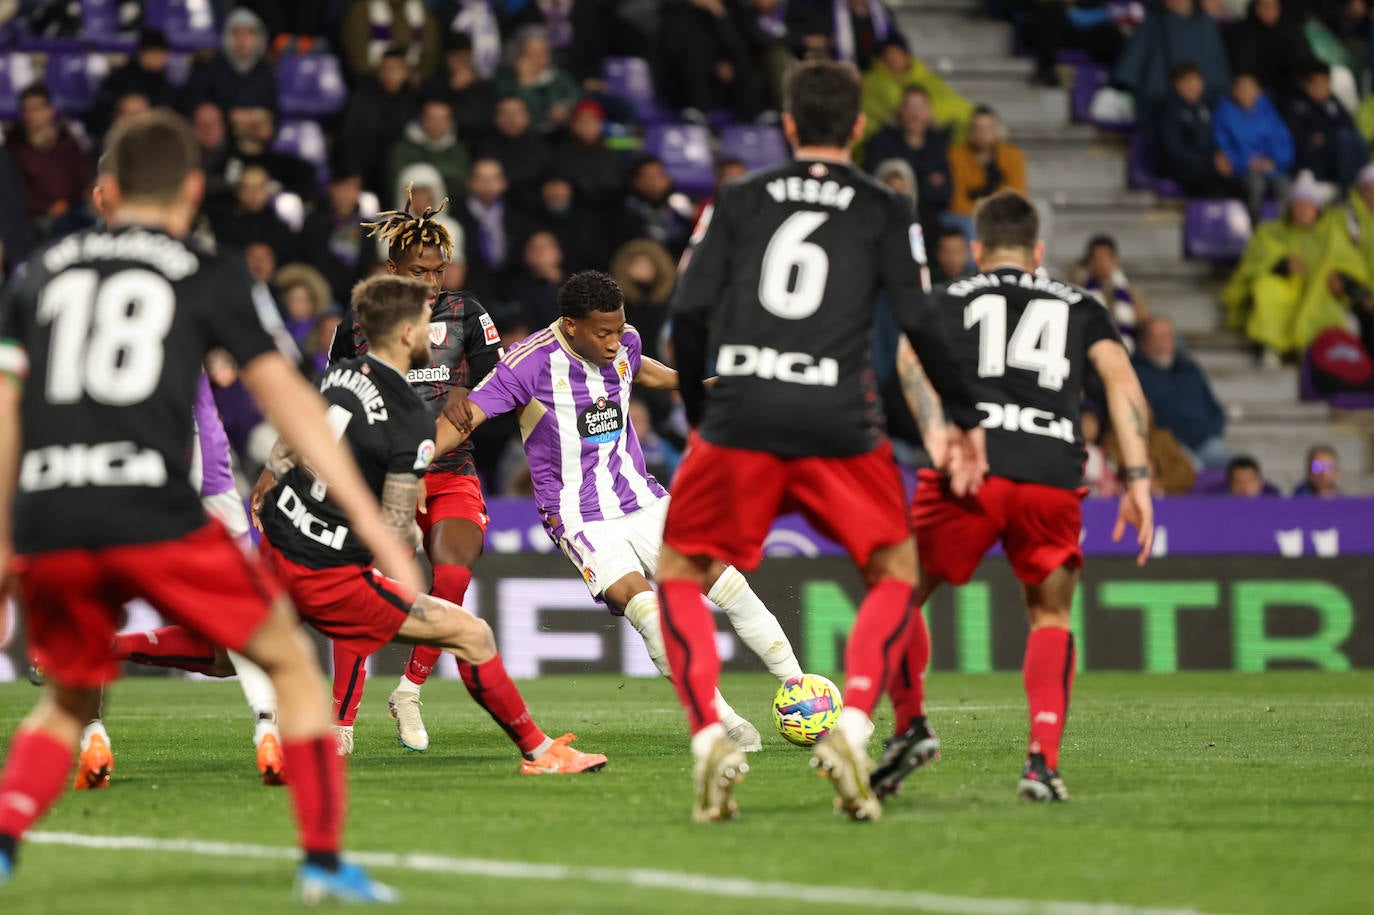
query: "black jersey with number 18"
785, 271
115, 325
1023, 341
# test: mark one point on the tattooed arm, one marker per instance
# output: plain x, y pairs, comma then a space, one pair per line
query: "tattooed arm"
1130, 415
279, 463
922, 401
400, 492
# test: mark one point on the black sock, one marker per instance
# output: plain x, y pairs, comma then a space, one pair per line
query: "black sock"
329, 860
9, 847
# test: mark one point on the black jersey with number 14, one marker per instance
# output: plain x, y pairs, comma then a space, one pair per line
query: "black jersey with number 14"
786, 271
1023, 341
115, 325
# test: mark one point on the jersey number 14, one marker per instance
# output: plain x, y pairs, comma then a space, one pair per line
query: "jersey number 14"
1038, 343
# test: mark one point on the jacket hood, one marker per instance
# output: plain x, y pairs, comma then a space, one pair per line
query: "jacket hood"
238, 19
415, 134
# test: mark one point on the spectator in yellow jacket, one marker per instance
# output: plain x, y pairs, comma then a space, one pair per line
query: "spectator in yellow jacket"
984, 163
893, 70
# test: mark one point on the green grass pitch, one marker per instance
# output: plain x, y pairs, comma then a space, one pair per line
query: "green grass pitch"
1220, 793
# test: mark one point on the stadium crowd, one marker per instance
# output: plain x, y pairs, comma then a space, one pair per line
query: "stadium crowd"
538, 121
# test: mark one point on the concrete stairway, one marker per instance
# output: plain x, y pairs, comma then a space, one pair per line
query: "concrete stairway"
1081, 174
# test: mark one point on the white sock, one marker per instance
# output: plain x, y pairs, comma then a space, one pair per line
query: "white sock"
407, 685
95, 727
261, 695
856, 727
538, 751
703, 739
759, 628
728, 716
642, 611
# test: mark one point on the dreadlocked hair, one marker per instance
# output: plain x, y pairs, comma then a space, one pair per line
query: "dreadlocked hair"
403, 230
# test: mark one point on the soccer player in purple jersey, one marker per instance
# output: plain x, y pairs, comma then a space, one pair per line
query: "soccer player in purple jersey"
571, 384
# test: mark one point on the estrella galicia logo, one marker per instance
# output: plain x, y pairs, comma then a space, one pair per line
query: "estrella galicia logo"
602, 422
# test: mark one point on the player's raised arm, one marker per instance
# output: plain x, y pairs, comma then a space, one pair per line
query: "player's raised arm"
656, 376
1130, 418
697, 292
483, 349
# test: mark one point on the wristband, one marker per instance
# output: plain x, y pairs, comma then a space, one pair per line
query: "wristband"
1131, 474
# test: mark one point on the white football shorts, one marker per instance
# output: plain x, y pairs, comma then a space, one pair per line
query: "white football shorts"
606, 551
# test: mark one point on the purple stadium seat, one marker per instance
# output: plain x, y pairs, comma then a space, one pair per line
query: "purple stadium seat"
16, 73
189, 24
630, 79
1215, 230
310, 85
1271, 209
756, 147
179, 68
1087, 80
686, 153
74, 80
99, 19
1073, 57
304, 140
1210, 481
1140, 168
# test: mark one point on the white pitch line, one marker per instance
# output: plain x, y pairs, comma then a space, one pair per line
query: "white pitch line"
643, 878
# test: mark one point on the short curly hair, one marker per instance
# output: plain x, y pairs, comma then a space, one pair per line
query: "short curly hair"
589, 291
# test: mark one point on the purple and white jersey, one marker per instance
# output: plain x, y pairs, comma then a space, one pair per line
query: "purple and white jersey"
584, 457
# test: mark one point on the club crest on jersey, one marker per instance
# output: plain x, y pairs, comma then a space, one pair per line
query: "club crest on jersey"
424, 455
589, 575
622, 369
817, 170
438, 333
489, 332
602, 422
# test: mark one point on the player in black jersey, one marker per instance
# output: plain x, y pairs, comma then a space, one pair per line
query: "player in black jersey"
1023, 341
782, 284
307, 541
114, 324
465, 346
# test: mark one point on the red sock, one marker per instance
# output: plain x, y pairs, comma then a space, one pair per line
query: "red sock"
36, 772
1048, 674
908, 686
876, 643
318, 792
350, 674
450, 584
170, 646
689, 634
495, 691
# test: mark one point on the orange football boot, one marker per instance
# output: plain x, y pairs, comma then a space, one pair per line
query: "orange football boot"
95, 765
271, 762
562, 759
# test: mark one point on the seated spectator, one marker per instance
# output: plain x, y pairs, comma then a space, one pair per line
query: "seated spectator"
54, 164
897, 175
983, 164
893, 75
252, 218
1245, 480
852, 30
254, 129
431, 138
304, 298
1322, 476
647, 275
654, 209
378, 110
704, 61
129, 105
1255, 141
1296, 276
1171, 466
238, 76
477, 21
914, 139
494, 230
1105, 280
1358, 214
1326, 140
470, 97
762, 25
420, 187
524, 153
1180, 395
1177, 32
1186, 141
144, 74
952, 256
660, 457
596, 173
207, 120
580, 230
1099, 472
1270, 43
1094, 26
371, 28
261, 261
534, 287
549, 93
333, 239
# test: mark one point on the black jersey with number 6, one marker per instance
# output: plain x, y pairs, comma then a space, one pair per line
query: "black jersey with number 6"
389, 430
115, 325
1023, 343
784, 273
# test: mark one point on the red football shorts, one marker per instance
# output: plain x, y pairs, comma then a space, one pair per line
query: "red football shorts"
1038, 526
452, 495
725, 500
72, 598
353, 604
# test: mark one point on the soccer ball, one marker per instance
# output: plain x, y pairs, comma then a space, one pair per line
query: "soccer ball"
806, 708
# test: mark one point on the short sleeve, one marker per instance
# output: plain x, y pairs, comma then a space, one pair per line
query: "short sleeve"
412, 445
238, 318
482, 335
634, 348
1099, 324
505, 388
709, 265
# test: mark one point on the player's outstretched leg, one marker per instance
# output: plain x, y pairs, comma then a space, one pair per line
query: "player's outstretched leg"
262, 702
40, 756
350, 676
443, 625
690, 639
874, 650
1048, 673
173, 646
914, 743
756, 626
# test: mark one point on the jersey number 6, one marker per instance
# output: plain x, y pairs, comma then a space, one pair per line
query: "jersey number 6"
792, 281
